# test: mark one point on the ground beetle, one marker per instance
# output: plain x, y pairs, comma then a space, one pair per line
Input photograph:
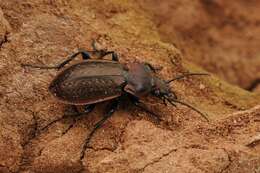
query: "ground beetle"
97, 80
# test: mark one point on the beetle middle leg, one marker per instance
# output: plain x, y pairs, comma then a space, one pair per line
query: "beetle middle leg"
111, 109
76, 113
87, 110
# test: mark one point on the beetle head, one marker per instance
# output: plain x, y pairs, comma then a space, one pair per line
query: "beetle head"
161, 88
141, 81
162, 91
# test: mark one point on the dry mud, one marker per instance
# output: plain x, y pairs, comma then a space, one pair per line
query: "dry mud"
46, 31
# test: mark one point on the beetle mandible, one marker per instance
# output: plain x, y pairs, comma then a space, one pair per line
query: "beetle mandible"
96, 80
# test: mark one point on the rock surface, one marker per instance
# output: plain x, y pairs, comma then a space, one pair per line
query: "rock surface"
46, 31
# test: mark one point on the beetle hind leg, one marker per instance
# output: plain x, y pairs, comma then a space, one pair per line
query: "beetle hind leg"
112, 108
100, 53
84, 53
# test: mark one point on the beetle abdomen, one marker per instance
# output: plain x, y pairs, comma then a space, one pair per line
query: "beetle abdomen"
89, 82
87, 90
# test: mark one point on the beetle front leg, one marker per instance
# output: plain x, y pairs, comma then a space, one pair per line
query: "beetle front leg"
143, 107
112, 108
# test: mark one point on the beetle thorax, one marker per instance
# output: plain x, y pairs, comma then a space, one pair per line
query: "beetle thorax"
140, 81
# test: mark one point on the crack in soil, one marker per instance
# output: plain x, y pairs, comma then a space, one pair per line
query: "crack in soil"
174, 150
106, 148
35, 136
156, 160
229, 161
25, 157
4, 41
34, 131
123, 132
102, 149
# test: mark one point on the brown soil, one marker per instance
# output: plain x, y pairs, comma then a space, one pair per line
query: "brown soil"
46, 31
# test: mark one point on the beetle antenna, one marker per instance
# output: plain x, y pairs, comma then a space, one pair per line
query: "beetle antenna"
184, 75
172, 101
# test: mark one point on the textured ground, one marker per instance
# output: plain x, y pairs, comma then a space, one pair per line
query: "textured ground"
46, 31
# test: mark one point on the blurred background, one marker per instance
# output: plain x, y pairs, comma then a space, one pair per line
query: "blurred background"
221, 36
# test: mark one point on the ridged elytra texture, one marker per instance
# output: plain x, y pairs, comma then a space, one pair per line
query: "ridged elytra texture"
89, 82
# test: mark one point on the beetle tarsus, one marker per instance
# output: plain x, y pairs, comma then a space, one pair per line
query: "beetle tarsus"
98, 125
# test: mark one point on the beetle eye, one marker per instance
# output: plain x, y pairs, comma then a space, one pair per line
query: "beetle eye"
157, 92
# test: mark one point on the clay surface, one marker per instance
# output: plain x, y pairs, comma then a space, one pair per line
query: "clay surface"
44, 32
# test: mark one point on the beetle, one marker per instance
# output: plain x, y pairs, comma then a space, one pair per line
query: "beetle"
97, 80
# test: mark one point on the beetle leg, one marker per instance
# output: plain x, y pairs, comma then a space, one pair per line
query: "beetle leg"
84, 53
87, 110
143, 107
114, 56
172, 94
110, 112
103, 52
154, 69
